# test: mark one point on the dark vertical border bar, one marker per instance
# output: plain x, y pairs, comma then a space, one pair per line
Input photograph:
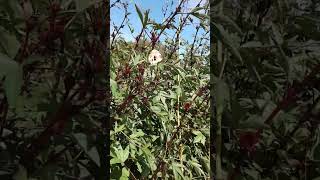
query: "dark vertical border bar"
108, 121
212, 120
103, 138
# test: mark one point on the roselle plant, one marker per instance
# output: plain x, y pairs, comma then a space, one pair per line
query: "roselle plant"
160, 110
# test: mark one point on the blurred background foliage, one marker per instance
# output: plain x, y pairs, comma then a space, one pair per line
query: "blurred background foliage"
52, 103
270, 63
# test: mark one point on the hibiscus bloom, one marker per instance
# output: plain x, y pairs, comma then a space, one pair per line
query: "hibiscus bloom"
155, 57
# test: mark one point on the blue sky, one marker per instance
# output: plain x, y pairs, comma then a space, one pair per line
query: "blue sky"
155, 7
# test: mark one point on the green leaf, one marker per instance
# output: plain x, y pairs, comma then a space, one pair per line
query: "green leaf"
215, 3
21, 174
227, 20
223, 36
114, 87
197, 167
140, 14
137, 134
123, 154
9, 42
200, 16
115, 160
125, 174
221, 93
254, 122
33, 59
176, 167
13, 78
155, 109
82, 4
199, 137
92, 153
196, 9
146, 17
276, 33
238, 113
252, 44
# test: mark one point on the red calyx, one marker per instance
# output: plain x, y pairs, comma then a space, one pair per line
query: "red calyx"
248, 141
127, 71
54, 8
100, 95
141, 69
187, 106
145, 100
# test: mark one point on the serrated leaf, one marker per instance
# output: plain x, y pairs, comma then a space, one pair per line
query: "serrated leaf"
200, 16
199, 137
139, 133
223, 36
123, 154
115, 160
125, 174
92, 153
227, 20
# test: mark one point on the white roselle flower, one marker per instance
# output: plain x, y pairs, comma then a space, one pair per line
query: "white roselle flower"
155, 57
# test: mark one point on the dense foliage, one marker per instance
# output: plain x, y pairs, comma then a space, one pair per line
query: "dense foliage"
266, 82
160, 113
263, 79
52, 103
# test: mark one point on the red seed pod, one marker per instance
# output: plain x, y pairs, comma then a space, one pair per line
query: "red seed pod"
100, 95
200, 93
187, 106
127, 70
44, 36
119, 74
138, 79
58, 127
54, 8
141, 69
31, 23
248, 141
130, 97
59, 28
145, 100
